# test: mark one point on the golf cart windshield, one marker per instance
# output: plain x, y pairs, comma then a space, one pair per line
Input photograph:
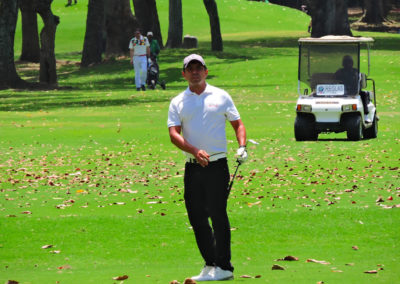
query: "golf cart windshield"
330, 69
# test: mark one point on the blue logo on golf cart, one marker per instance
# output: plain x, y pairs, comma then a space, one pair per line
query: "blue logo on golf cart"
320, 90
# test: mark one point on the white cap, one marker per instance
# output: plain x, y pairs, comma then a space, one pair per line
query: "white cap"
149, 34
193, 57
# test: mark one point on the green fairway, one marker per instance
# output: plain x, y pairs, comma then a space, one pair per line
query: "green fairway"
91, 187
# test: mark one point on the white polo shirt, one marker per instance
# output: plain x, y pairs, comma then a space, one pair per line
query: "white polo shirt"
203, 118
139, 45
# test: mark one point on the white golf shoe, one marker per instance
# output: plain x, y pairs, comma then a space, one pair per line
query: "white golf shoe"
205, 275
219, 274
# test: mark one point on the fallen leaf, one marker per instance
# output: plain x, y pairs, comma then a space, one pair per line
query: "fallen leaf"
257, 276
277, 267
371, 271
12, 282
47, 246
355, 247
174, 282
64, 267
380, 199
288, 258
318, 261
26, 212
119, 278
245, 276
189, 281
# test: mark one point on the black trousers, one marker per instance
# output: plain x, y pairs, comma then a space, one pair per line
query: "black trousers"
206, 195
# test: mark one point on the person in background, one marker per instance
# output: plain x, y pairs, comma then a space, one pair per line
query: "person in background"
139, 51
154, 46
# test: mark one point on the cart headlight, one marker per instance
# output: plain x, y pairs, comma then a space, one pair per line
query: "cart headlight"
304, 108
349, 107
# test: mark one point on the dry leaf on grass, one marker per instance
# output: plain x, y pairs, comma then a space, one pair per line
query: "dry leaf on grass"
189, 281
288, 258
119, 278
317, 261
277, 267
174, 282
245, 276
47, 246
12, 282
371, 271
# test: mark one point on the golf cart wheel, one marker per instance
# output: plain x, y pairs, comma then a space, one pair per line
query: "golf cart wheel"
372, 132
354, 128
304, 128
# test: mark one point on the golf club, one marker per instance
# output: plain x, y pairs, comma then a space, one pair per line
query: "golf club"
238, 164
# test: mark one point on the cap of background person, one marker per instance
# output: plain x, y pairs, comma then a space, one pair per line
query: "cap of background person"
193, 57
149, 34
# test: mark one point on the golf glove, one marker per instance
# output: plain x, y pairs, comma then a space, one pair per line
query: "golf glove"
241, 154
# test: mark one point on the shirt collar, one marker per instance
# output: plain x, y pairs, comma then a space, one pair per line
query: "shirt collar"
207, 90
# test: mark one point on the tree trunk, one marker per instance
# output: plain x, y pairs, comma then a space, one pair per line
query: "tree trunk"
329, 17
8, 22
120, 26
375, 11
95, 37
175, 28
216, 38
30, 36
147, 16
48, 69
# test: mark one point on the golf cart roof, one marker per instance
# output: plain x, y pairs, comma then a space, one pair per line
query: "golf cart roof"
336, 39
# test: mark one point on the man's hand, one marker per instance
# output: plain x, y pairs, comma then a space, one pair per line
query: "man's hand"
241, 154
202, 157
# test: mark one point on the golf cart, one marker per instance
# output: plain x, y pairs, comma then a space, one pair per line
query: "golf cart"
331, 89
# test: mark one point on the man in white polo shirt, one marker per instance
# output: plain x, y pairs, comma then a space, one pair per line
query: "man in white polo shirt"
196, 122
139, 51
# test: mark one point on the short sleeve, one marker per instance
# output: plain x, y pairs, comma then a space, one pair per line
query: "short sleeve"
173, 116
232, 113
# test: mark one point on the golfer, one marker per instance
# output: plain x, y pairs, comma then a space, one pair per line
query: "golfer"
196, 122
139, 49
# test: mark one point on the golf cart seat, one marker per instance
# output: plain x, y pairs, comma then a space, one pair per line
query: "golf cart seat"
323, 78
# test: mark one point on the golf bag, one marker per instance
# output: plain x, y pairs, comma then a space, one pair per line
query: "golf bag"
153, 74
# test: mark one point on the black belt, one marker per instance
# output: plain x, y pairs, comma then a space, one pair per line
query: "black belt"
194, 161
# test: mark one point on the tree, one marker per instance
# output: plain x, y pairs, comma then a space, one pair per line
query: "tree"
376, 11
95, 38
329, 17
30, 36
48, 68
175, 28
120, 25
147, 16
216, 38
8, 22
